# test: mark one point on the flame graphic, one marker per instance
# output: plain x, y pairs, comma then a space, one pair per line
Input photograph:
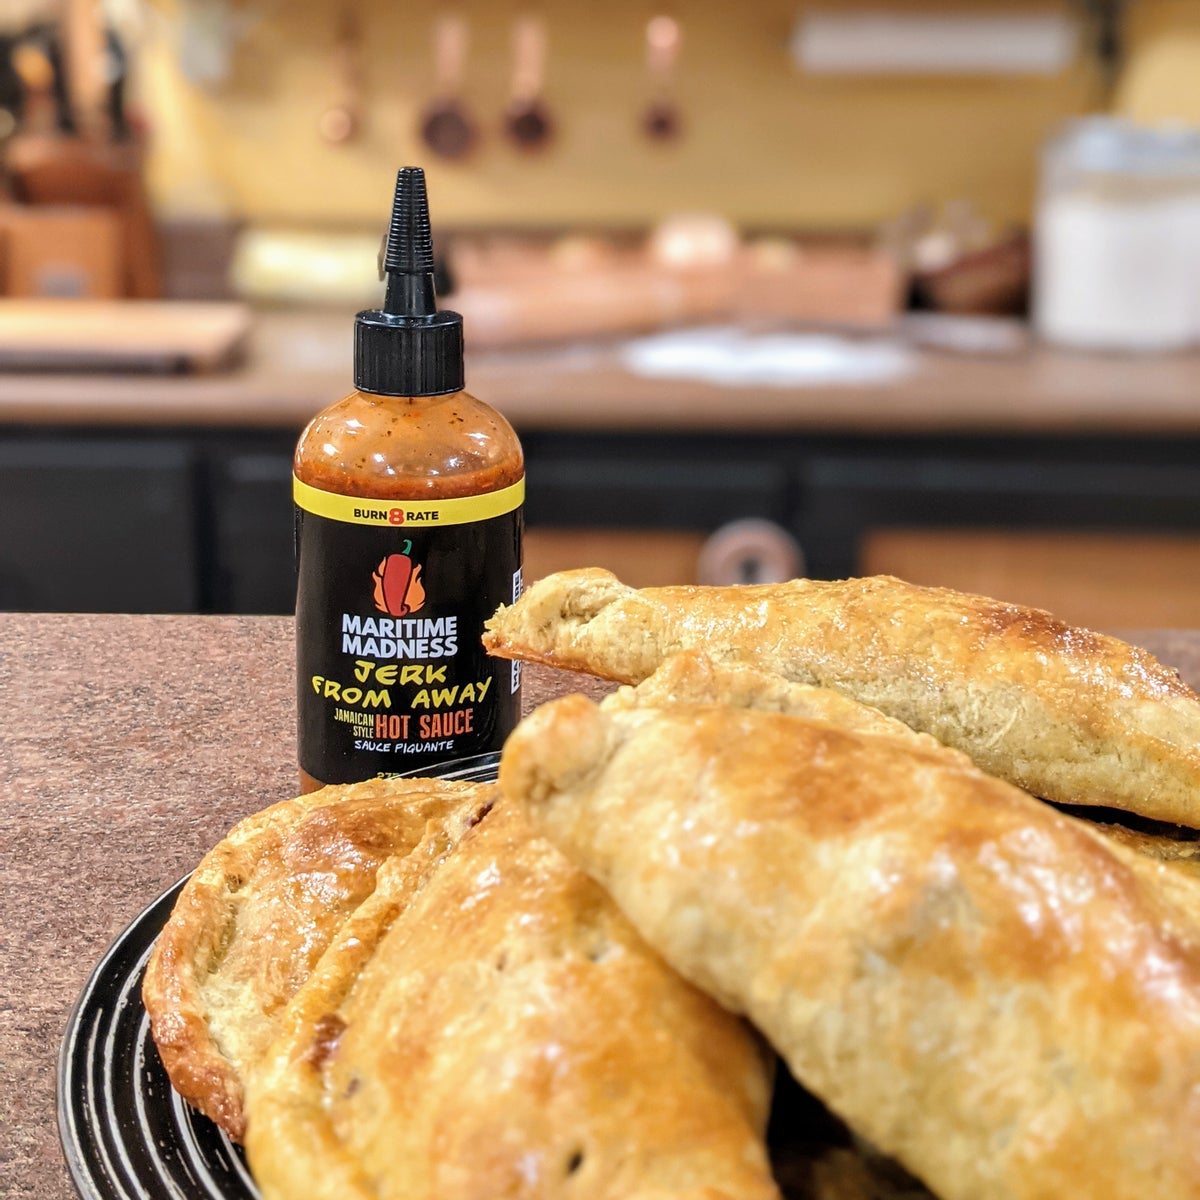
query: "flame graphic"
398, 588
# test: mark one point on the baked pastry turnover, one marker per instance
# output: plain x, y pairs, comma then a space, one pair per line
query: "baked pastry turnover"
693, 678
1070, 715
487, 1024
257, 914
983, 987
690, 677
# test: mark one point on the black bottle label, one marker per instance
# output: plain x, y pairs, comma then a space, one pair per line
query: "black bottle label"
390, 604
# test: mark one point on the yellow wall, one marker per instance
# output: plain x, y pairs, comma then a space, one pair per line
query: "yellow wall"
763, 144
1162, 79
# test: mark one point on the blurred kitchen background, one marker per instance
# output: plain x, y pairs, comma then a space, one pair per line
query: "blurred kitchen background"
829, 287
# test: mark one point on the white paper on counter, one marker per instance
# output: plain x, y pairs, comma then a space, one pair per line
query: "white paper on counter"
731, 357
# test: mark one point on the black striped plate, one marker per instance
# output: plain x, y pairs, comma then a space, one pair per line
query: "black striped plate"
125, 1132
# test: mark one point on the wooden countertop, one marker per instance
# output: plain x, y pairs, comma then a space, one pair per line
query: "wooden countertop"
299, 362
128, 745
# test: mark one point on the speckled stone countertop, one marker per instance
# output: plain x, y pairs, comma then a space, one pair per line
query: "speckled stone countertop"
128, 745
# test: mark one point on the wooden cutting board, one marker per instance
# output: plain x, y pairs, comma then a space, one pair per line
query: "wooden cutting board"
158, 336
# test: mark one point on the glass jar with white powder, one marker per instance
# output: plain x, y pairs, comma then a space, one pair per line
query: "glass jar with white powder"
1117, 259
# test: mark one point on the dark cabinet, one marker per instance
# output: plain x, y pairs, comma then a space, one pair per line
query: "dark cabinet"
98, 526
1068, 486
635, 488
200, 520
253, 558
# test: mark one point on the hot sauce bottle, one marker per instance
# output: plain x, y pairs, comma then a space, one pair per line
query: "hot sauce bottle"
408, 499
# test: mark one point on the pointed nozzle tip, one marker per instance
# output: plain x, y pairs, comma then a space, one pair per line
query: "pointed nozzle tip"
409, 242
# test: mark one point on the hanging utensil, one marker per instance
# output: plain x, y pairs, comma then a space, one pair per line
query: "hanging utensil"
44, 107
342, 120
11, 95
10, 108
88, 68
117, 78
446, 126
662, 120
527, 120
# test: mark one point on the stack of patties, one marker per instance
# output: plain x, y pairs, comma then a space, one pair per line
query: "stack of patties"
988, 989
395, 990
544, 988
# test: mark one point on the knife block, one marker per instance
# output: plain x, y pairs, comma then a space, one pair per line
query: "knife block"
101, 177
60, 252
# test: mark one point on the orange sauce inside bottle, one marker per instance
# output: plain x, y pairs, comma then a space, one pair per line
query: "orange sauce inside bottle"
407, 448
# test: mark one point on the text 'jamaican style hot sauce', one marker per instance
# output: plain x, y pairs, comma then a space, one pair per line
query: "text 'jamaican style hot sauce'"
408, 498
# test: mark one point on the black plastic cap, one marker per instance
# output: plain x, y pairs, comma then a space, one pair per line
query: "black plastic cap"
407, 347
408, 356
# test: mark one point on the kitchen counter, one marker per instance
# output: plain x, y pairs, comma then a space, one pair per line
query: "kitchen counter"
1035, 441
299, 362
128, 745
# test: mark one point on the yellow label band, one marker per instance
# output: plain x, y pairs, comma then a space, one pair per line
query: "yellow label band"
460, 510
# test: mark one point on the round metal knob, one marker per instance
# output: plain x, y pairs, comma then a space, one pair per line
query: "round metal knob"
753, 550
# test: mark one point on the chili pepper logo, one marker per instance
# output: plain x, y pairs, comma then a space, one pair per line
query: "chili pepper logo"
398, 588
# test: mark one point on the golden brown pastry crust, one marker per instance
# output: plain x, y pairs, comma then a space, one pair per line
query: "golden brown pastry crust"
690, 677
985, 988
487, 1024
1070, 715
256, 915
693, 678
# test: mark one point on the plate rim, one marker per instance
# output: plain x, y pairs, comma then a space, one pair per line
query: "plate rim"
69, 1066
83, 1179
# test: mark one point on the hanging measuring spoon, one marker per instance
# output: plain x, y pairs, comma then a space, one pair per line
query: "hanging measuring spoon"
662, 120
527, 121
447, 128
342, 121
